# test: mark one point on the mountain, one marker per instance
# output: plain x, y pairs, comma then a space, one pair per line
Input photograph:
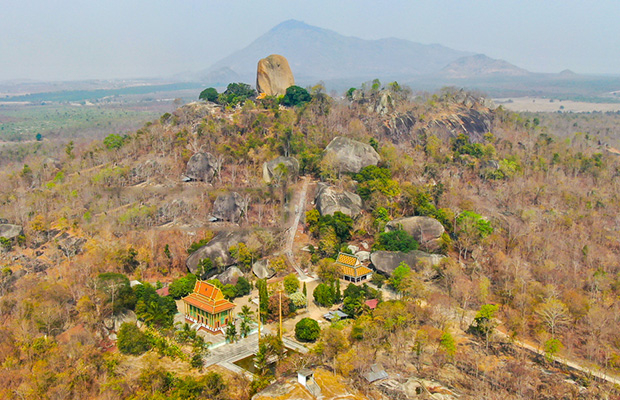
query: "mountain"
321, 54
479, 65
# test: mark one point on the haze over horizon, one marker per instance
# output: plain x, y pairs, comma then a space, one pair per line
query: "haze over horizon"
75, 40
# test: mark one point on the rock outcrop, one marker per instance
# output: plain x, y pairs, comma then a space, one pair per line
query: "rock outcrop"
10, 231
269, 168
70, 245
363, 256
274, 75
399, 126
230, 276
201, 167
328, 200
469, 121
228, 207
387, 261
349, 155
425, 230
262, 270
217, 250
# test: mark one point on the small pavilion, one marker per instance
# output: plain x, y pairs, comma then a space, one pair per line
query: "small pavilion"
352, 269
207, 307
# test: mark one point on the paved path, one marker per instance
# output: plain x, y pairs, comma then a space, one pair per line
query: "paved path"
571, 364
226, 355
293, 230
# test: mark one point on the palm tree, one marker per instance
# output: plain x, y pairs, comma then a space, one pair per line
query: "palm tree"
246, 313
245, 327
231, 333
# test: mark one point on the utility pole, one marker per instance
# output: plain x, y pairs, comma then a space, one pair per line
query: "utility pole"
280, 312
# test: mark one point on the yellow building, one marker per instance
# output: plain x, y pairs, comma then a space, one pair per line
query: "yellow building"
352, 269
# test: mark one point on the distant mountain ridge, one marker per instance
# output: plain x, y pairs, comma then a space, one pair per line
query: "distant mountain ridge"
321, 54
480, 65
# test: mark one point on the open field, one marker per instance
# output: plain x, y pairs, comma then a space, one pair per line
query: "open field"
19, 123
533, 104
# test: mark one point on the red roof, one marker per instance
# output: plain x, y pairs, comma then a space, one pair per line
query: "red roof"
165, 291
372, 303
209, 298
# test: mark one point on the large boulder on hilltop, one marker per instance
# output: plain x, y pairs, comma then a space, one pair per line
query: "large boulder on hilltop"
217, 250
387, 261
262, 270
10, 231
274, 75
201, 167
228, 207
348, 155
328, 200
425, 230
269, 168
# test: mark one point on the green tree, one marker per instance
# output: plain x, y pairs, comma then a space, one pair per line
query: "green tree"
295, 96
400, 276
132, 340
236, 93
291, 283
471, 229
447, 344
373, 179
324, 295
484, 323
263, 297
307, 330
113, 141
552, 347
243, 287
397, 240
116, 286
183, 286
209, 94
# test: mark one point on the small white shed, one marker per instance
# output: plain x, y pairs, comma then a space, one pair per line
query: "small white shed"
304, 376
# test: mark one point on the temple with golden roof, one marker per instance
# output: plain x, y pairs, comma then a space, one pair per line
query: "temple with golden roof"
352, 269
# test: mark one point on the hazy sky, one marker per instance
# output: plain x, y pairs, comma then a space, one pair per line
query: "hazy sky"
78, 39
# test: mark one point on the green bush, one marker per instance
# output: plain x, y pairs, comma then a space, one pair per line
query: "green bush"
295, 96
236, 93
131, 340
307, 330
209, 94
196, 245
5, 244
398, 240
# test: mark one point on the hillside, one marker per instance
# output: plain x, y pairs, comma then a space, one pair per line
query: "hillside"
320, 54
470, 217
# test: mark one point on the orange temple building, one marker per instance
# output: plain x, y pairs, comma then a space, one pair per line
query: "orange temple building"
207, 307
